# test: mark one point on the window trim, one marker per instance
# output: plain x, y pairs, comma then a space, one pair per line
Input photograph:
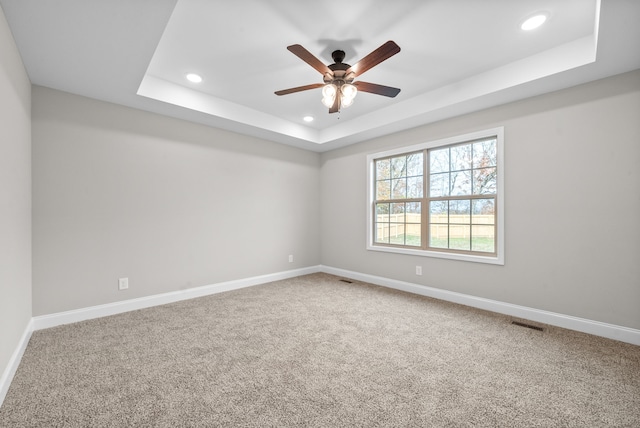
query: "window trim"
498, 258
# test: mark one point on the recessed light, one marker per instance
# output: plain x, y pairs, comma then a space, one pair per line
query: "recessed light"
308, 118
534, 22
195, 78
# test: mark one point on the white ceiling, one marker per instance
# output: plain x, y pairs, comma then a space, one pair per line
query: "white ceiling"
457, 56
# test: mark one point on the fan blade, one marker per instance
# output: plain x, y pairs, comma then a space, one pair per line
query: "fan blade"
336, 104
308, 57
374, 88
384, 52
299, 89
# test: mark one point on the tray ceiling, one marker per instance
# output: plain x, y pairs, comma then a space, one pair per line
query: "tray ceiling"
457, 57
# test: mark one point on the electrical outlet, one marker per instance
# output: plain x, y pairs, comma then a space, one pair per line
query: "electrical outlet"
123, 283
290, 258
418, 270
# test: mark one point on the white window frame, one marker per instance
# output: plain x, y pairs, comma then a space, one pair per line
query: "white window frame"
497, 258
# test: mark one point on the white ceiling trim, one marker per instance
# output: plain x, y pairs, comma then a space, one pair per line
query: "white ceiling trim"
169, 92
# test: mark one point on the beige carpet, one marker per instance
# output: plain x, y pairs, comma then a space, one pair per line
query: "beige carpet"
315, 351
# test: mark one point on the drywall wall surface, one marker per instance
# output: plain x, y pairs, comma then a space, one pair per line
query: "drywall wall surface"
168, 204
15, 197
572, 198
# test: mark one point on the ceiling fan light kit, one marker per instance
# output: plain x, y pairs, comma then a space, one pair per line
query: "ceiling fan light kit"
346, 93
339, 89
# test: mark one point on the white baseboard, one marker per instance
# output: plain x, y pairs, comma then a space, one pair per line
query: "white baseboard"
611, 331
52, 320
14, 362
597, 328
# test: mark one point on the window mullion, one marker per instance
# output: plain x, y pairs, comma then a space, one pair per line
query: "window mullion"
425, 199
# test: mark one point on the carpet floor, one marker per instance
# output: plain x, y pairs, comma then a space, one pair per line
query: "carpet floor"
314, 351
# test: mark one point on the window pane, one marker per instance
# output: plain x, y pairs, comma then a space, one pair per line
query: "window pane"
438, 212
382, 223
459, 237
397, 234
460, 211
414, 187
414, 164
383, 169
484, 154
397, 213
399, 167
382, 233
399, 188
439, 236
484, 181
383, 189
461, 157
414, 220
439, 160
397, 226
483, 238
382, 213
483, 211
413, 234
415, 209
439, 185
460, 183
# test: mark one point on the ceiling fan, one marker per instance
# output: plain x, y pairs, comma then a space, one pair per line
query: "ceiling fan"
339, 88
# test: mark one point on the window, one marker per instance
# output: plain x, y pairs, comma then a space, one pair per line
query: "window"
440, 199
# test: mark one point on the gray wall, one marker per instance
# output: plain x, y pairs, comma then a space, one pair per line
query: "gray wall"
572, 195
15, 196
169, 204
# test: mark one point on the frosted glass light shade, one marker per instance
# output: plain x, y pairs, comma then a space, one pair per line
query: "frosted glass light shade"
349, 91
346, 102
329, 91
328, 101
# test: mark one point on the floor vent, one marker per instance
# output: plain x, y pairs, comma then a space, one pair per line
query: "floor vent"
347, 281
532, 327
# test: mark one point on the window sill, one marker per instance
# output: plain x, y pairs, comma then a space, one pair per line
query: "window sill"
495, 260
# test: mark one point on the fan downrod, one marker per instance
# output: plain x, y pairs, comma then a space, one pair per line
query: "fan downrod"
338, 67
338, 56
